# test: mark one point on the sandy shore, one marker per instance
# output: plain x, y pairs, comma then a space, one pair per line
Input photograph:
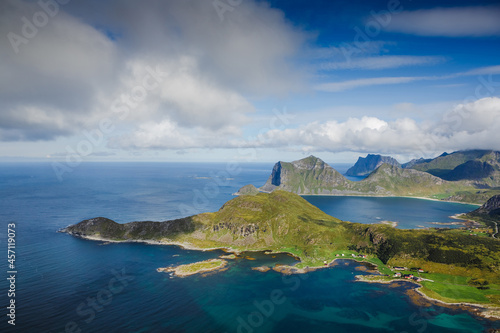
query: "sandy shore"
388, 196
432, 199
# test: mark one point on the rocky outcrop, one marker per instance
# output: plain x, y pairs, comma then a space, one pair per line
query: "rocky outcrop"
490, 208
365, 165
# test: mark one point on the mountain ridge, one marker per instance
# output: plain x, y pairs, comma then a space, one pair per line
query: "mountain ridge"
312, 176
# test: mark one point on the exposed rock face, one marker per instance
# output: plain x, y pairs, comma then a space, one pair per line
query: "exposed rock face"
276, 174
491, 207
365, 165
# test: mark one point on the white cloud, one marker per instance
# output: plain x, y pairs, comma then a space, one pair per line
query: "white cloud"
483, 71
351, 84
382, 62
70, 75
167, 134
346, 50
473, 125
450, 22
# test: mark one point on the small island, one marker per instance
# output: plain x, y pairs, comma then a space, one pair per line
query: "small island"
229, 256
206, 266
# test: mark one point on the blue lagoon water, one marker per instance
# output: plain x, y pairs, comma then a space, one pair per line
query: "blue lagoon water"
66, 284
409, 213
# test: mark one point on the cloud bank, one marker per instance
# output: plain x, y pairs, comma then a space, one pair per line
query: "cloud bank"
88, 58
474, 125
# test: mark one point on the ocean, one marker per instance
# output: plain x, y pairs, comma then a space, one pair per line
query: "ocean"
66, 284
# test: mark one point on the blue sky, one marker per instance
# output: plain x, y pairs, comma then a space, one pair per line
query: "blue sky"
245, 80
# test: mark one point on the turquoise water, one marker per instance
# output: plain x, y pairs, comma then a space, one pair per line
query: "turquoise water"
59, 276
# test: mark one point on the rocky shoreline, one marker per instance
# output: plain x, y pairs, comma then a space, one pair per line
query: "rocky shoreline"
481, 310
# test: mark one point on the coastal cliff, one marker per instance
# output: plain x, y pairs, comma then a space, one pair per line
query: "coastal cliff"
306, 176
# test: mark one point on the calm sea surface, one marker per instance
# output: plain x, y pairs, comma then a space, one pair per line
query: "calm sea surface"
65, 284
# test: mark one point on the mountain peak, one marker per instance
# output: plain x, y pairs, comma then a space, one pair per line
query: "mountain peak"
309, 162
310, 175
365, 165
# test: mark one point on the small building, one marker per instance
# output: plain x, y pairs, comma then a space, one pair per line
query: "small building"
420, 270
397, 268
397, 274
342, 254
337, 255
353, 255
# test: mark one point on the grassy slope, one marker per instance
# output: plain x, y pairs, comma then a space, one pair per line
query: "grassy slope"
197, 267
279, 221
